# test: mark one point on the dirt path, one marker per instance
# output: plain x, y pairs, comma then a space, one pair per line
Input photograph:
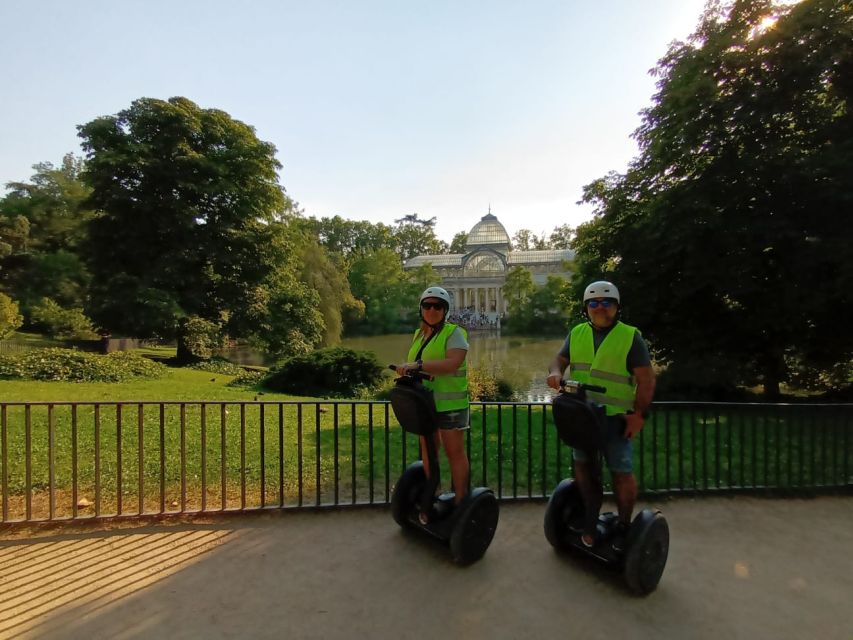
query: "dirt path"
738, 568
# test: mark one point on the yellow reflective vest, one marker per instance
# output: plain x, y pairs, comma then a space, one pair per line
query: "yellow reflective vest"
450, 391
605, 367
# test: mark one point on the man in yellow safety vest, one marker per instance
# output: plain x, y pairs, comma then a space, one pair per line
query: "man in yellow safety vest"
607, 352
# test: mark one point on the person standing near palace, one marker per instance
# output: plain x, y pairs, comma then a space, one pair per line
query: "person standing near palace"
439, 348
607, 352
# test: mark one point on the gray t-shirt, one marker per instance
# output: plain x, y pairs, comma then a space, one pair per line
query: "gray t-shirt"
457, 340
638, 355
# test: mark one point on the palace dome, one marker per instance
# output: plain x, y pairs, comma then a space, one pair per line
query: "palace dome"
488, 232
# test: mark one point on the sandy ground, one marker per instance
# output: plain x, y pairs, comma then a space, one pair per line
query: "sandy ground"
738, 568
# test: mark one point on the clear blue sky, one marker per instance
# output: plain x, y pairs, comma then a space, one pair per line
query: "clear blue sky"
377, 108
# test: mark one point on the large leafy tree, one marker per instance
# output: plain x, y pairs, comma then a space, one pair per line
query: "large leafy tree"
335, 300
459, 242
416, 236
518, 290
43, 226
526, 240
346, 239
730, 233
561, 237
389, 293
192, 224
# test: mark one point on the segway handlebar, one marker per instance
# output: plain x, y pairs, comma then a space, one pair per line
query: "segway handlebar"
573, 386
416, 375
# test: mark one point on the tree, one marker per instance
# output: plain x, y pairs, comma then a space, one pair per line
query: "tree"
561, 237
517, 291
335, 300
414, 236
43, 225
10, 319
459, 242
550, 305
389, 293
526, 240
416, 220
348, 238
52, 319
730, 234
191, 223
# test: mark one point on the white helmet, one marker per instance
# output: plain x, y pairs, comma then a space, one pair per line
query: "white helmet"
601, 289
436, 292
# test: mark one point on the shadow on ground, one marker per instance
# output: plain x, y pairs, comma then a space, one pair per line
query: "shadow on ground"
738, 568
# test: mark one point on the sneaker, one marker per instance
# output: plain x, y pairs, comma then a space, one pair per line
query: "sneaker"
620, 537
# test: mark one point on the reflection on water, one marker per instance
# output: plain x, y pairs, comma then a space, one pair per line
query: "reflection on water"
521, 361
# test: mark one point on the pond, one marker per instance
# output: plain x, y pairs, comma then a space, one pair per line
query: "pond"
520, 360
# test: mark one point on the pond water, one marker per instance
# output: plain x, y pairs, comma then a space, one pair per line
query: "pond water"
520, 360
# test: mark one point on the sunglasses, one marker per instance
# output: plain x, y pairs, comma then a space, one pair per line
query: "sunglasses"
604, 304
432, 305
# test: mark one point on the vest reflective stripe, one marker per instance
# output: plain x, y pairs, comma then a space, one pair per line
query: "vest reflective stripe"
605, 367
598, 373
450, 391
608, 400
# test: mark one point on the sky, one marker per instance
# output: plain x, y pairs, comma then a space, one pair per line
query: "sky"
377, 108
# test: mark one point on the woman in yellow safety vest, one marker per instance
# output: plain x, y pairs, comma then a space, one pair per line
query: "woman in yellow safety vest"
439, 349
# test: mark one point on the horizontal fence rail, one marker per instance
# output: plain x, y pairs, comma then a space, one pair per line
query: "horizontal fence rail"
82, 460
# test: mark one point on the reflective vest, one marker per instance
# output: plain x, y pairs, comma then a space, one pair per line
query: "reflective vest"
605, 367
451, 390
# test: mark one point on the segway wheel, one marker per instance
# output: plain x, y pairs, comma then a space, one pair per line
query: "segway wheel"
475, 527
407, 491
648, 548
564, 506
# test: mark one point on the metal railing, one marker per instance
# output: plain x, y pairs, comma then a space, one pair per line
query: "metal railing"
80, 460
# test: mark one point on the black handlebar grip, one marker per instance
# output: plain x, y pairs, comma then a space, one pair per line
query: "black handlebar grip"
417, 375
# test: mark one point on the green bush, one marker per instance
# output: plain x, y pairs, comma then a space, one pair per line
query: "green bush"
8, 367
10, 319
382, 391
57, 322
485, 386
248, 378
336, 371
66, 365
218, 365
199, 338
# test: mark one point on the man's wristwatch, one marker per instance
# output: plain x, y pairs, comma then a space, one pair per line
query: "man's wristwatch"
420, 364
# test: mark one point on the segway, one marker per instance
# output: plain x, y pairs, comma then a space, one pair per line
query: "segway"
467, 528
580, 424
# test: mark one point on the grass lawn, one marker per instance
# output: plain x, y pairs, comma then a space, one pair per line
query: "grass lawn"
139, 449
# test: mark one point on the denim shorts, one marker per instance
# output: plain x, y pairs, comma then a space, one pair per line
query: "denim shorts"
618, 450
457, 419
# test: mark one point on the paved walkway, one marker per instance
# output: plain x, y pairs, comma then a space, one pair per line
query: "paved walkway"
738, 568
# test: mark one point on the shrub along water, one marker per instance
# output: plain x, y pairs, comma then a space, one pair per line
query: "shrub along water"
68, 365
333, 372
